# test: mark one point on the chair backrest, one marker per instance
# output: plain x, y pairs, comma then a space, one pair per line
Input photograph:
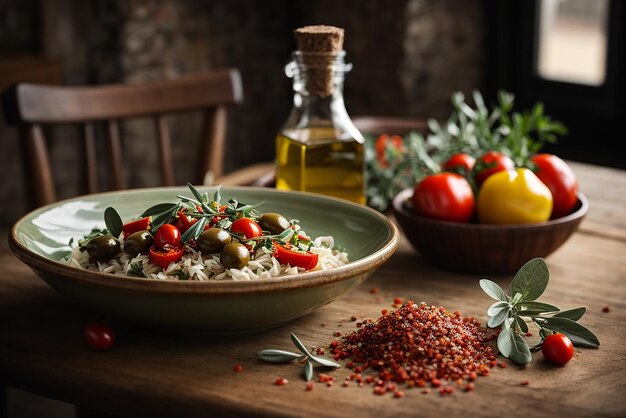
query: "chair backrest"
32, 106
392, 125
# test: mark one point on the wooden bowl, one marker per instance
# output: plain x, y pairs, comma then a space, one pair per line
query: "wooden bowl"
480, 248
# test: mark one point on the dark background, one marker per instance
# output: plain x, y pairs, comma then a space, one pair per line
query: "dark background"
408, 56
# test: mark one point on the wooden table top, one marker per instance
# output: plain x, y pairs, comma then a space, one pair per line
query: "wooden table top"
152, 372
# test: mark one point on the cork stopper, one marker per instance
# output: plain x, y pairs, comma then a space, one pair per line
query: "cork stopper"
319, 46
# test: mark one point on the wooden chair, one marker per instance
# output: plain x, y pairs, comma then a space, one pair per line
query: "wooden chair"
31, 107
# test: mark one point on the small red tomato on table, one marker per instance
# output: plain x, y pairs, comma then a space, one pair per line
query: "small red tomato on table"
560, 179
490, 163
557, 348
98, 336
444, 196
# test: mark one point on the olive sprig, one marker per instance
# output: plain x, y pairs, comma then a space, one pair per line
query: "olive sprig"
282, 356
509, 312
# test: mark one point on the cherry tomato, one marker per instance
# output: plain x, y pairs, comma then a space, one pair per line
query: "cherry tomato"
305, 259
163, 257
445, 196
247, 227
167, 235
557, 348
98, 336
560, 179
459, 163
136, 226
383, 141
490, 163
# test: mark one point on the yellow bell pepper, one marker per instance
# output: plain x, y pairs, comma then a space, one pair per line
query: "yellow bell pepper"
514, 197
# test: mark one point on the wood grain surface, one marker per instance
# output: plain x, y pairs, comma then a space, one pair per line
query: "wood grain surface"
165, 374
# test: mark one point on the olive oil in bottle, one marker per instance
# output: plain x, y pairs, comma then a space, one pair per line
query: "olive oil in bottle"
319, 149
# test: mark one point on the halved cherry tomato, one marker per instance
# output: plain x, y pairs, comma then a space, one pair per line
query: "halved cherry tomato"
490, 163
184, 223
167, 235
247, 227
98, 336
305, 259
136, 226
383, 141
445, 196
560, 179
162, 257
459, 163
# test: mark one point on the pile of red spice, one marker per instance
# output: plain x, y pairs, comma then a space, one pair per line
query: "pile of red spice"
420, 346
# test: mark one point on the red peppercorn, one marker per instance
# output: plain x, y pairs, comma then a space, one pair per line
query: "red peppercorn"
281, 381
238, 368
469, 387
398, 394
320, 351
309, 386
525, 382
397, 301
374, 290
606, 309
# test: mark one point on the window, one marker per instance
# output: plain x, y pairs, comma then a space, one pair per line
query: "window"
572, 41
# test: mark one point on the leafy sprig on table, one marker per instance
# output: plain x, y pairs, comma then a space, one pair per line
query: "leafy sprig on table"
509, 312
282, 356
472, 130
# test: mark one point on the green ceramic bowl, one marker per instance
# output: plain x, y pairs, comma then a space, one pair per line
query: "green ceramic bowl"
40, 239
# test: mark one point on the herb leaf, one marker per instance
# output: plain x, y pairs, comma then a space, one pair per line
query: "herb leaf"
531, 280
499, 318
579, 335
308, 370
194, 230
158, 209
278, 356
537, 306
520, 352
573, 314
113, 221
497, 307
493, 290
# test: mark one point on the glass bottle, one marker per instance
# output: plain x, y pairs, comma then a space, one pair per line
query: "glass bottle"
319, 149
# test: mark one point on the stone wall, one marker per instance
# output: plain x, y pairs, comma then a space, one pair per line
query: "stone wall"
408, 56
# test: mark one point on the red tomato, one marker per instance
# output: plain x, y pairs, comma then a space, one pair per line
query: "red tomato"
490, 163
136, 226
560, 179
445, 196
382, 142
459, 163
167, 235
247, 227
557, 348
98, 336
305, 259
163, 257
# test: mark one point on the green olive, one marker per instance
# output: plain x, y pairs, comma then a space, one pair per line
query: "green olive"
273, 222
235, 256
213, 240
103, 248
138, 242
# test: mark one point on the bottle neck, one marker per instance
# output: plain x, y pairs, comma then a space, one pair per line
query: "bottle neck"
318, 94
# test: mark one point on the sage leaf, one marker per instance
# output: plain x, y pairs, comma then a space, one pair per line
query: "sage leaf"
497, 307
493, 290
521, 324
158, 209
531, 280
198, 197
164, 218
278, 356
520, 352
504, 342
323, 362
308, 370
538, 307
499, 318
573, 314
516, 299
580, 336
113, 221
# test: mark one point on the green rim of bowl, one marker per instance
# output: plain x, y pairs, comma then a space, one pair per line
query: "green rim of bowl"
304, 280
